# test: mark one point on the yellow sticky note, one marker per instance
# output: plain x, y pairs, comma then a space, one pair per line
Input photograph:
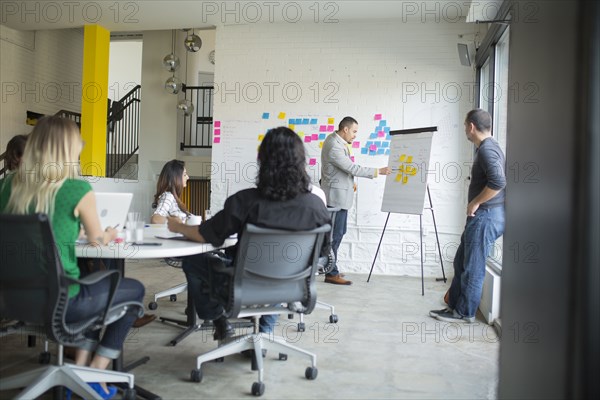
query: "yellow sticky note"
405, 180
281, 115
320, 145
398, 177
402, 157
261, 137
330, 121
292, 127
409, 159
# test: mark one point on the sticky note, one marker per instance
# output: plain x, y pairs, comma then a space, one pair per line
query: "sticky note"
398, 178
352, 158
380, 151
330, 121
265, 116
261, 137
281, 115
292, 127
315, 136
217, 124
383, 122
291, 121
355, 145
305, 121
381, 134
386, 129
377, 117
312, 161
322, 136
217, 132
377, 144
307, 139
364, 150
385, 144
369, 143
387, 152
330, 128
373, 136
320, 145
372, 147
313, 121
217, 140
323, 128
388, 137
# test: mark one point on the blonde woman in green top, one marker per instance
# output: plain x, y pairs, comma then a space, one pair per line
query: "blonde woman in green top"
47, 181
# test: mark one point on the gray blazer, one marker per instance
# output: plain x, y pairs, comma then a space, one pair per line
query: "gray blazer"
338, 172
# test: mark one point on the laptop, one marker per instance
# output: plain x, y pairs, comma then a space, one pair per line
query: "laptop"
113, 208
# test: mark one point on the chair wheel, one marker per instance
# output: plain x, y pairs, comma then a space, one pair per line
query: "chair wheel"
44, 357
129, 394
301, 327
152, 305
196, 375
333, 318
258, 388
282, 357
311, 373
173, 297
220, 359
290, 316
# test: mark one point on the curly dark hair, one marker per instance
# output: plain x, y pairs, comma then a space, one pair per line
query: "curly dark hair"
170, 180
14, 151
282, 165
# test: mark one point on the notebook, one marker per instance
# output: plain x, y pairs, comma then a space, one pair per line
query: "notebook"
113, 208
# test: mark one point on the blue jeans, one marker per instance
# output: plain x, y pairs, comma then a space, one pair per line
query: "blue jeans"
197, 272
92, 300
339, 230
481, 231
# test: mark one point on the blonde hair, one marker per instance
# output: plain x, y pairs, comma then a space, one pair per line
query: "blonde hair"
51, 156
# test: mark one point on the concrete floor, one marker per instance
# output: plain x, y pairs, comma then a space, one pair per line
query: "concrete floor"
385, 346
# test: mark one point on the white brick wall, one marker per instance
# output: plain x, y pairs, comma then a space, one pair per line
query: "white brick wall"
39, 71
409, 72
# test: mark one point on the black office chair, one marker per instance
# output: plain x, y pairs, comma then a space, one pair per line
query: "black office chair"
273, 273
325, 266
34, 289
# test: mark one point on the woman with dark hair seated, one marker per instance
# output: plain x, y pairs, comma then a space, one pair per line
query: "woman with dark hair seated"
281, 200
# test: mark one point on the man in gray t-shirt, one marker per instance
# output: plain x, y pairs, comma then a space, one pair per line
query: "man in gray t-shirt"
485, 221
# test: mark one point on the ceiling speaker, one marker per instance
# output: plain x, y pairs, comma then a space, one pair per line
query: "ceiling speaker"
463, 54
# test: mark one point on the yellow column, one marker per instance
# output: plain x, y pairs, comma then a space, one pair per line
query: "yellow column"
94, 95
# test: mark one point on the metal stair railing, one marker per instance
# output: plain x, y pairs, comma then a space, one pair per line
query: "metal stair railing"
122, 136
197, 125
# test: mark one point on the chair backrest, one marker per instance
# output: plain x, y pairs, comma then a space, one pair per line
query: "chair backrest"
30, 271
276, 266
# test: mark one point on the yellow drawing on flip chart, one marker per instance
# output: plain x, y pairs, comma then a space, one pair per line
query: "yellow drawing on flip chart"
406, 169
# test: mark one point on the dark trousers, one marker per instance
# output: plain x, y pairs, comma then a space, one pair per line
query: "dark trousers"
339, 230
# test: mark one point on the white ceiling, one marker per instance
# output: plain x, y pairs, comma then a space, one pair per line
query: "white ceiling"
142, 15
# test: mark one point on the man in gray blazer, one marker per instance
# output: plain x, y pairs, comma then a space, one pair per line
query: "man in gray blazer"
337, 181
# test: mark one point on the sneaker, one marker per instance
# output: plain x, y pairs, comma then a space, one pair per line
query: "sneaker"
435, 313
453, 316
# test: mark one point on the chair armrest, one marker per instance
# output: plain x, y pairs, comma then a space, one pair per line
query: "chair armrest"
93, 278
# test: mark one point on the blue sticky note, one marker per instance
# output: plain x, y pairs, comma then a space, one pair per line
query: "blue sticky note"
313, 121
386, 129
364, 150
380, 151
378, 143
265, 116
385, 144
388, 137
383, 122
291, 121
373, 136
299, 121
322, 136
369, 143
387, 152
305, 121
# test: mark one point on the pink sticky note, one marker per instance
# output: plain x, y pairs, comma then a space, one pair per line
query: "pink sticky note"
377, 117
312, 161
355, 145
307, 139
330, 128
373, 147
217, 140
217, 124
315, 136
217, 132
352, 158
381, 134
322, 128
